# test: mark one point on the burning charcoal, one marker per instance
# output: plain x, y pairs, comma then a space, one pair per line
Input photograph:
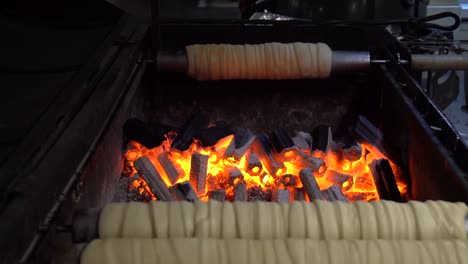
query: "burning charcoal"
283, 144
385, 180
261, 146
184, 139
149, 173
234, 174
209, 136
306, 136
149, 135
328, 195
334, 193
315, 164
217, 195
366, 132
310, 184
343, 180
172, 172
364, 183
347, 148
321, 139
254, 166
359, 196
198, 170
243, 138
301, 143
184, 191
289, 180
299, 194
257, 194
280, 196
240, 192
132, 152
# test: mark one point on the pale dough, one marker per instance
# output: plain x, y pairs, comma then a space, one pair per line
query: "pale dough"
282, 251
263, 61
265, 220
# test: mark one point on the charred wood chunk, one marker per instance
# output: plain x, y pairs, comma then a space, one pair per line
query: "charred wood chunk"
289, 180
172, 172
345, 181
334, 193
315, 164
217, 195
148, 172
299, 194
347, 148
283, 144
184, 139
243, 138
261, 146
198, 170
301, 143
257, 194
384, 180
254, 166
240, 192
210, 136
149, 135
310, 184
184, 191
234, 175
321, 139
280, 196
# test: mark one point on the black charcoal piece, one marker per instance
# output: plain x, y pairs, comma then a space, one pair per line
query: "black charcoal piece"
184, 191
149, 135
184, 139
321, 139
310, 185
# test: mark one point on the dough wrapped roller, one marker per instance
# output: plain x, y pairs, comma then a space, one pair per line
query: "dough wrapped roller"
341, 62
318, 220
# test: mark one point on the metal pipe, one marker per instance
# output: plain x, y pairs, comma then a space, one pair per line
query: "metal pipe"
350, 61
172, 61
423, 62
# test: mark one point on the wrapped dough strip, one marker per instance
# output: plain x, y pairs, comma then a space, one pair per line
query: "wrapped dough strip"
274, 61
318, 220
287, 251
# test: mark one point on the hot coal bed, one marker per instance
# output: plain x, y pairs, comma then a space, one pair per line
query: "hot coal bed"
362, 136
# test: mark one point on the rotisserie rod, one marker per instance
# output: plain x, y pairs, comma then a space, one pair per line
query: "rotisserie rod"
286, 61
316, 220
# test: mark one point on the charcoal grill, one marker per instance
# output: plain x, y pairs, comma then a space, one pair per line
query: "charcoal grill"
81, 170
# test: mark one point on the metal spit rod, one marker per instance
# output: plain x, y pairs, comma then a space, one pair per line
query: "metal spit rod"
342, 61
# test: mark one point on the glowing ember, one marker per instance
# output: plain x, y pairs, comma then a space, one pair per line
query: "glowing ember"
359, 185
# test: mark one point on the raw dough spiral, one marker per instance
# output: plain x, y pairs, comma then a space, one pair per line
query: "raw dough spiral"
318, 220
264, 61
287, 251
